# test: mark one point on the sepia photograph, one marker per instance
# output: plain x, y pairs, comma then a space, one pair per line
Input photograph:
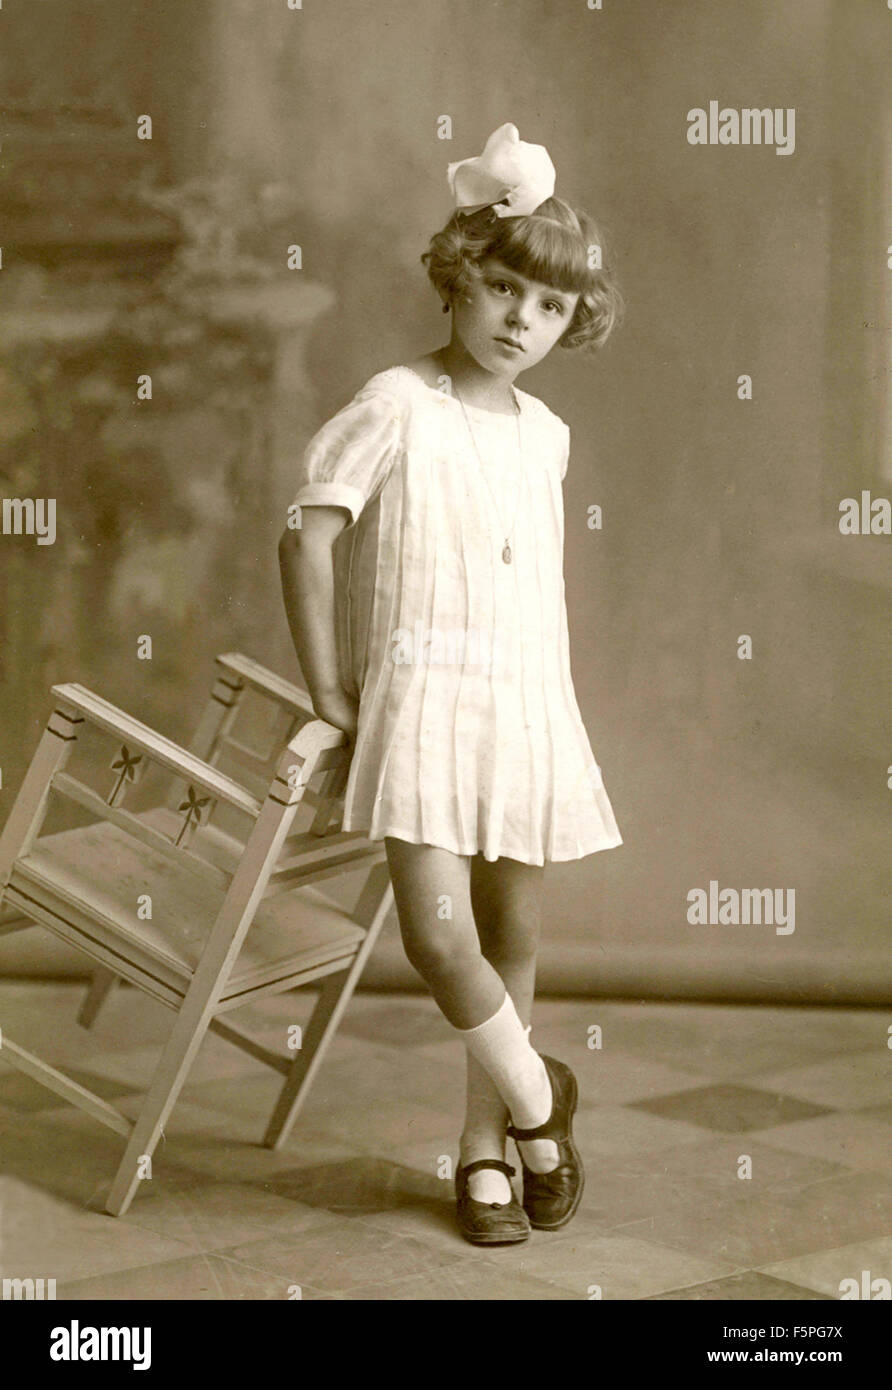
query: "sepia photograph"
446, 661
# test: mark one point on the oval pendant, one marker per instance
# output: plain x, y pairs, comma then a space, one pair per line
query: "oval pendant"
506, 554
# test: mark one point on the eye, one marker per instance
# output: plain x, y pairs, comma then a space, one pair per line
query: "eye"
501, 285
555, 304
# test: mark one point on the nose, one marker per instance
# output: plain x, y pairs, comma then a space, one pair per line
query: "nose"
519, 313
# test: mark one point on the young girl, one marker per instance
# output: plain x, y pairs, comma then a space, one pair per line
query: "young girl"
424, 592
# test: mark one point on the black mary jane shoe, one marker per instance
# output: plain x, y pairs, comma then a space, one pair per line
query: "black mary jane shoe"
551, 1199
489, 1223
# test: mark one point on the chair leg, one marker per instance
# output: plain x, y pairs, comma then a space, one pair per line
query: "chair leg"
103, 982
320, 1030
169, 1079
375, 901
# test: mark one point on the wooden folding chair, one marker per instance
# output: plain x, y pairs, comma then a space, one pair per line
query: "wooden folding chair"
206, 902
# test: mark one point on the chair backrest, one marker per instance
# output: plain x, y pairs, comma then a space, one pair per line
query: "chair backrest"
251, 716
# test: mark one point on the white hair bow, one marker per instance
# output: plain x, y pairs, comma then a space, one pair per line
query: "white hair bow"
510, 176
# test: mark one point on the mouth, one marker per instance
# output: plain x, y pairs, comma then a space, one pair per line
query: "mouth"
512, 343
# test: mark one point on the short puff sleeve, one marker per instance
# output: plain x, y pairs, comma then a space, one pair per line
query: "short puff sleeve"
348, 460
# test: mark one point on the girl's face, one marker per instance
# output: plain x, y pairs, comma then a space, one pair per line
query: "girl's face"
503, 308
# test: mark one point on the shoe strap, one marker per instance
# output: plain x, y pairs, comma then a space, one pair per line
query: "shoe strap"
543, 1131
497, 1163
548, 1127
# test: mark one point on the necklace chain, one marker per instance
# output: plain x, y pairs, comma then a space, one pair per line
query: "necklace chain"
506, 548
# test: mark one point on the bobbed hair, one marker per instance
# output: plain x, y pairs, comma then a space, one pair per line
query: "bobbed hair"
553, 245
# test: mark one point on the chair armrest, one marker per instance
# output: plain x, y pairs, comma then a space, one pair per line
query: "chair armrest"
156, 746
251, 673
318, 741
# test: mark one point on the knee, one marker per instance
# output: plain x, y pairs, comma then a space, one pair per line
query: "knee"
438, 955
512, 943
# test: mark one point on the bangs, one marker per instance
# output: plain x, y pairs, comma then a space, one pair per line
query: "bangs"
543, 249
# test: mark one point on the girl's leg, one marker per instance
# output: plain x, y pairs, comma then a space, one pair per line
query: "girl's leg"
432, 890
506, 902
506, 898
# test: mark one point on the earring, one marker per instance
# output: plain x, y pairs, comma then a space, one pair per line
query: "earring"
445, 308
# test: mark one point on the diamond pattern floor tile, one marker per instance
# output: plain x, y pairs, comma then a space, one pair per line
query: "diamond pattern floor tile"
843, 1083
732, 1108
20, 1092
824, 1271
336, 1256
356, 1187
751, 1285
736, 1041
464, 1282
198, 1277
852, 1138
622, 1265
755, 1228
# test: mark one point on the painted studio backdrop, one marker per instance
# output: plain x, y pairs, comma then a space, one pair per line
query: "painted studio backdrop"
729, 616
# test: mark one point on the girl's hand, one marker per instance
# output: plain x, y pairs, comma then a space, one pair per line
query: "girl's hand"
339, 708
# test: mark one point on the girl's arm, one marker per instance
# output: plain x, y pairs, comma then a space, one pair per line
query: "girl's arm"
306, 565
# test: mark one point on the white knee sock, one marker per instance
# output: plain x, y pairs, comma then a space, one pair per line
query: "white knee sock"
502, 1047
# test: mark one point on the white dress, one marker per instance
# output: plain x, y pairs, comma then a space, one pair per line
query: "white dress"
469, 735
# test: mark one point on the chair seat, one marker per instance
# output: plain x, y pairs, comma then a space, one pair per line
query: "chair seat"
85, 884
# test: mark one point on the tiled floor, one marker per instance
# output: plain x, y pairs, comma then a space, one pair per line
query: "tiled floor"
678, 1104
